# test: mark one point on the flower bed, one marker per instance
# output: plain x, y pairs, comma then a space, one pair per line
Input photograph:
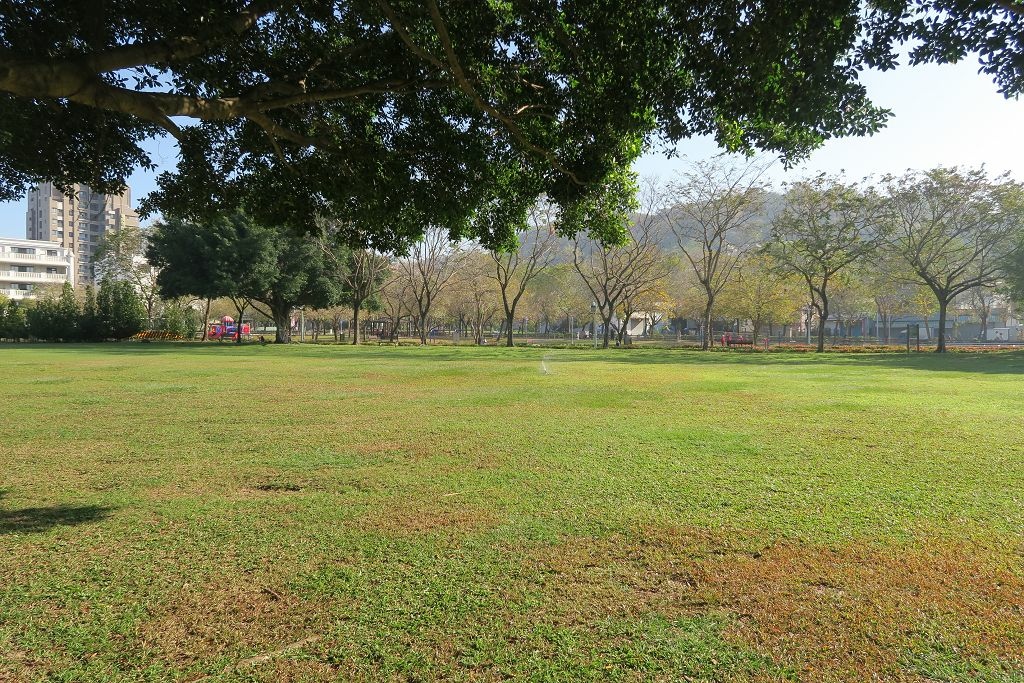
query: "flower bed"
156, 335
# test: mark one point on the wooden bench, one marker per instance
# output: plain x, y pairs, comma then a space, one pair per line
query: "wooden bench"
740, 342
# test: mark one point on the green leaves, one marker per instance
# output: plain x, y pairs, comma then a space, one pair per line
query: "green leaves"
401, 115
238, 257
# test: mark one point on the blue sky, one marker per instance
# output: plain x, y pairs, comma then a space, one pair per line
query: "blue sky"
942, 115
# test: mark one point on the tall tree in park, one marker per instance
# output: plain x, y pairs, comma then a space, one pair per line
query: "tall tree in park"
68, 314
612, 271
200, 276
824, 227
474, 297
514, 269
1013, 271
429, 269
715, 209
363, 275
558, 291
893, 296
271, 269
361, 272
762, 293
954, 230
981, 300
121, 255
427, 108
850, 301
397, 300
648, 299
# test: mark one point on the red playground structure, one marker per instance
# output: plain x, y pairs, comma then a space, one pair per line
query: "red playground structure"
227, 329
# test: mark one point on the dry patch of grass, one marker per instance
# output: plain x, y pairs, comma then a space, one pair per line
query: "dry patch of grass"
201, 623
447, 515
850, 612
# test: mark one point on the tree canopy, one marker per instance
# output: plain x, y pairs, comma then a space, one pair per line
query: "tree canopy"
399, 114
955, 229
237, 257
824, 227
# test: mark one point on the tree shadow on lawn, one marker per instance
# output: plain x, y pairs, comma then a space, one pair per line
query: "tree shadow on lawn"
39, 519
1008, 362
1000, 363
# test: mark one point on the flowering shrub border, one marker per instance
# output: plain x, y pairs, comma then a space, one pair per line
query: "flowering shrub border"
156, 335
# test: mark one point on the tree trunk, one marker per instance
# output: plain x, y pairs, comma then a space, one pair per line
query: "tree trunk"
423, 328
238, 326
206, 321
283, 323
984, 327
822, 319
355, 324
509, 324
941, 345
607, 330
706, 342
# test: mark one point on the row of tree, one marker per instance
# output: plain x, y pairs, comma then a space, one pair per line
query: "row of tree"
712, 242
115, 311
716, 238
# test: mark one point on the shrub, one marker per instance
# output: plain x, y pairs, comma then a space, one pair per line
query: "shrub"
89, 324
177, 321
12, 320
120, 311
41, 320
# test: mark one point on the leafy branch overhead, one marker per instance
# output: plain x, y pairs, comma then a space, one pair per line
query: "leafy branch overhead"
406, 113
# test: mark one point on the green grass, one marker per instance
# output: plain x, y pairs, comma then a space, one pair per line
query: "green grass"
172, 512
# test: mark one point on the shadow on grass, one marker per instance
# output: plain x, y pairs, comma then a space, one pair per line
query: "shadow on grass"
1000, 363
39, 519
1008, 362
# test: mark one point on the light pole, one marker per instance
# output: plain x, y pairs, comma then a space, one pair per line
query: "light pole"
302, 324
593, 315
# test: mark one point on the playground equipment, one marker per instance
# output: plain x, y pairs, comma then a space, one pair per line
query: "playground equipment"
227, 329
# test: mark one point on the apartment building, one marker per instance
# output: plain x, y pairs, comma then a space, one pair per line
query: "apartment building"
28, 267
77, 221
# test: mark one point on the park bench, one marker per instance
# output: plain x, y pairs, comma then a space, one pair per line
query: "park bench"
742, 341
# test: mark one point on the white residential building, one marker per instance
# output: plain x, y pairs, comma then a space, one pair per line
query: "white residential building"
77, 221
28, 266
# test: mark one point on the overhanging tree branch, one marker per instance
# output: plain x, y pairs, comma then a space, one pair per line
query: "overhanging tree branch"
470, 90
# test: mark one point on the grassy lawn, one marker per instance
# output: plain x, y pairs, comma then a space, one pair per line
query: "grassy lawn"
329, 513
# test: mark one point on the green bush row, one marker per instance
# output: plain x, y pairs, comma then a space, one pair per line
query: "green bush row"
114, 311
